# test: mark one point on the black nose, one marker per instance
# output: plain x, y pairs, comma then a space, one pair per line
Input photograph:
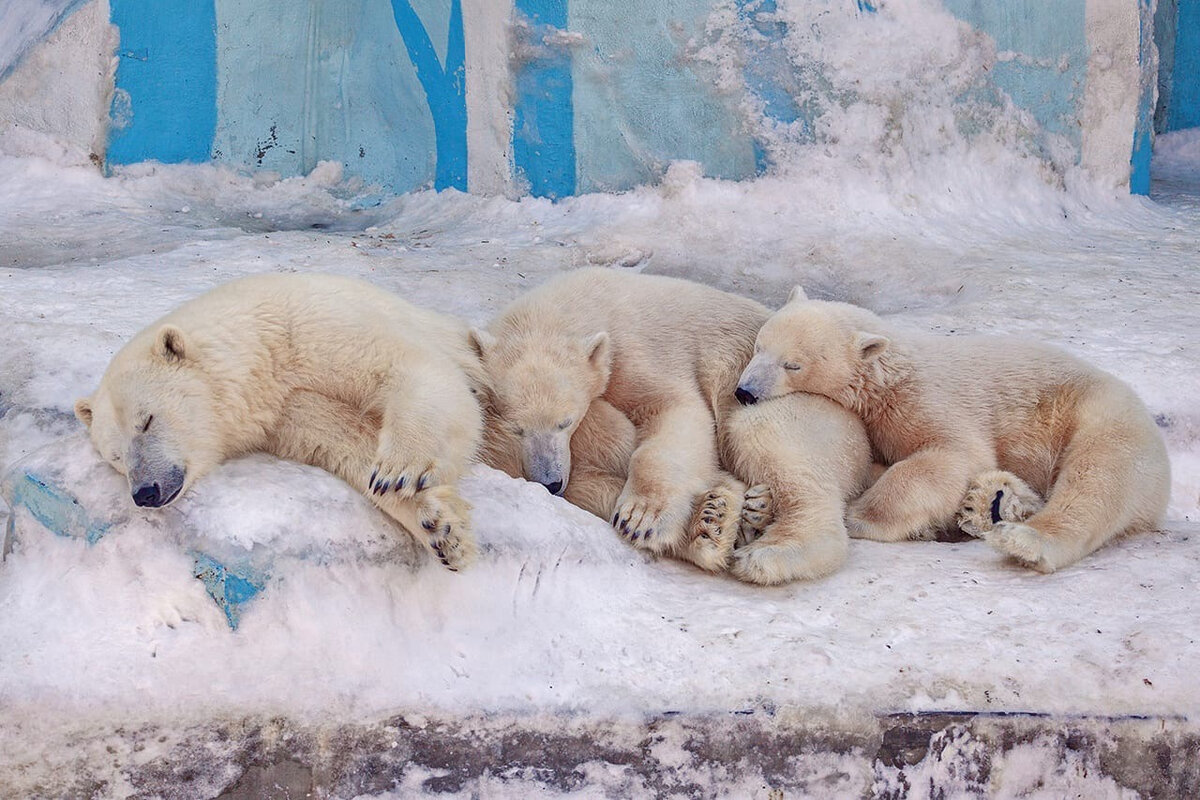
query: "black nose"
553, 488
744, 397
148, 496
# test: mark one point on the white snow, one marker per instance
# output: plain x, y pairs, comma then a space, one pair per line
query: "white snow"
559, 616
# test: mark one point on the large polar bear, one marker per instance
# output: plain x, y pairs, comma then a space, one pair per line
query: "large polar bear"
666, 353
986, 417
252, 364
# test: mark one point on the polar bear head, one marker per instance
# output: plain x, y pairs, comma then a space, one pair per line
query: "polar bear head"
541, 386
811, 346
153, 417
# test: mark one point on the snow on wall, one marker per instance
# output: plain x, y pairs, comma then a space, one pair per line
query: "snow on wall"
559, 97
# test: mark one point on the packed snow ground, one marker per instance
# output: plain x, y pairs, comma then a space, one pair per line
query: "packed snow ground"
559, 616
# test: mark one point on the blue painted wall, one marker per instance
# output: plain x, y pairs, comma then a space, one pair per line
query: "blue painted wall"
165, 106
604, 96
1184, 109
543, 108
1047, 74
639, 104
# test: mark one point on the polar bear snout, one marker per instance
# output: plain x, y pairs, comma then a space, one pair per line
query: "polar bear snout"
758, 380
157, 493
547, 458
154, 477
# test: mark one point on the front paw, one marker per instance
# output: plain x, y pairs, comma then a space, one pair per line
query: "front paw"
996, 497
405, 475
646, 522
756, 514
445, 518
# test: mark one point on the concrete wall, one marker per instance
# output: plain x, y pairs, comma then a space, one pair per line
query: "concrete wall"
1177, 34
559, 97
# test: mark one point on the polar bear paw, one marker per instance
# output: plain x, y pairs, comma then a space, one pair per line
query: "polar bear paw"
996, 497
405, 475
756, 514
445, 518
714, 529
647, 522
1024, 543
773, 562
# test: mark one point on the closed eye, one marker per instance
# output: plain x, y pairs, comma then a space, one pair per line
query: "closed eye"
792, 367
146, 427
566, 423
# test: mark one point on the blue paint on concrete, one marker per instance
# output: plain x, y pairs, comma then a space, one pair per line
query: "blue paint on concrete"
642, 101
543, 109
230, 587
165, 106
445, 89
1184, 109
1045, 51
769, 72
300, 83
55, 508
1143, 132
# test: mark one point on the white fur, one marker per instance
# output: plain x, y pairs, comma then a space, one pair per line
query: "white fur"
326, 370
669, 362
942, 410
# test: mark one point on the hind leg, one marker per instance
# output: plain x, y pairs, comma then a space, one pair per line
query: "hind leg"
813, 455
1114, 478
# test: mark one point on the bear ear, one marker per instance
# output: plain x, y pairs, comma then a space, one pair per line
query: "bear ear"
797, 294
169, 344
599, 355
481, 341
83, 411
871, 345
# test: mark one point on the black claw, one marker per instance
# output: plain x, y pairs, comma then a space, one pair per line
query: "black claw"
374, 474
996, 507
428, 524
634, 537
614, 522
403, 480
422, 482
647, 534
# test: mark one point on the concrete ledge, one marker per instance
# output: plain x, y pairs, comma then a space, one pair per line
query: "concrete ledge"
752, 753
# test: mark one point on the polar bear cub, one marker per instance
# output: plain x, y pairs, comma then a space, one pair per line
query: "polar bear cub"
326, 370
666, 353
943, 410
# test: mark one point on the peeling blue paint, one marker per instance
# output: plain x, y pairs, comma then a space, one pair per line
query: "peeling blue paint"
1184, 109
165, 102
445, 89
1143, 133
55, 509
543, 110
230, 587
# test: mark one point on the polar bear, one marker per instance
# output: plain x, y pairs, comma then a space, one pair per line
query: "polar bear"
666, 353
254, 363
987, 418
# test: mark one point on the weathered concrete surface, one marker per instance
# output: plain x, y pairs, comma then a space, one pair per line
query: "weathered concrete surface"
762, 753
